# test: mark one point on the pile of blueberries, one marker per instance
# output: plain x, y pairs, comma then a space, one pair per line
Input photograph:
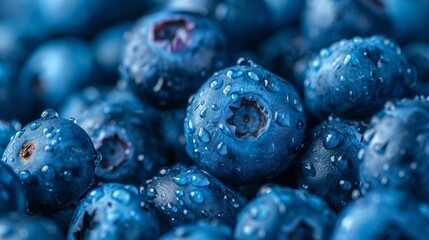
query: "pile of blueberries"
214, 119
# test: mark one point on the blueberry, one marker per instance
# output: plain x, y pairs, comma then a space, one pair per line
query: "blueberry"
198, 231
23, 227
394, 153
55, 161
327, 21
113, 211
384, 214
56, 69
284, 213
12, 198
354, 78
182, 195
127, 138
168, 55
328, 166
107, 48
245, 124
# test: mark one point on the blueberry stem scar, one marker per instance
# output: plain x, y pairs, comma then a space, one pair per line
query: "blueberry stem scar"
173, 35
248, 119
27, 150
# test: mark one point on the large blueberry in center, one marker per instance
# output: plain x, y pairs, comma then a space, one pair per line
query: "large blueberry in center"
245, 124
247, 119
173, 35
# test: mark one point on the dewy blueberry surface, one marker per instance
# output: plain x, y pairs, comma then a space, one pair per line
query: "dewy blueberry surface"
214, 119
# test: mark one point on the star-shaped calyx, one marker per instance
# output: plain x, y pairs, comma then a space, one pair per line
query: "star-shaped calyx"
247, 119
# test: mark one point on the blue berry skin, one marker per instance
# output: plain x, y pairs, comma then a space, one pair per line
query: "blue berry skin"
24, 227
327, 21
128, 141
113, 211
173, 136
168, 55
55, 161
328, 166
245, 124
56, 69
198, 231
107, 48
354, 78
394, 154
12, 198
284, 213
183, 195
384, 214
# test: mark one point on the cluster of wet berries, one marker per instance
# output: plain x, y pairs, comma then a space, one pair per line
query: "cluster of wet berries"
214, 119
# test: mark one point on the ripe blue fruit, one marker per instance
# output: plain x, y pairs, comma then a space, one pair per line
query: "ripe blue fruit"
12, 198
244, 124
168, 55
127, 138
384, 214
55, 161
354, 78
24, 227
395, 143
182, 195
327, 21
198, 231
57, 68
113, 211
329, 166
284, 213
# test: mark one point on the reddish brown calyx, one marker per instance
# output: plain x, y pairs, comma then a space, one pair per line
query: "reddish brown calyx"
27, 151
173, 35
